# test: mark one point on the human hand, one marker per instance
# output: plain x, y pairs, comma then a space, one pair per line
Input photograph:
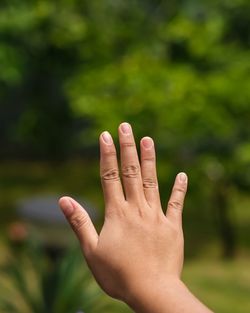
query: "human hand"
139, 249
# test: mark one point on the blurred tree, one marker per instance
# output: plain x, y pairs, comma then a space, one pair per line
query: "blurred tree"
178, 70
186, 82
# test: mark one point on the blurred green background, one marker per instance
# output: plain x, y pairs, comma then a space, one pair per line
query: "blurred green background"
178, 71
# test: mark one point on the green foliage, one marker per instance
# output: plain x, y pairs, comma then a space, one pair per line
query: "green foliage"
177, 70
30, 282
178, 63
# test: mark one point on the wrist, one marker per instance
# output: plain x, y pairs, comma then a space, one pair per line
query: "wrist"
165, 295
154, 294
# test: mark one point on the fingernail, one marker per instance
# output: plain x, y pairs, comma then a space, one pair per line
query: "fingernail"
67, 207
147, 142
107, 138
182, 177
126, 128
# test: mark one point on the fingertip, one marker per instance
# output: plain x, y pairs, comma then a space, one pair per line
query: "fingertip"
63, 199
80, 222
177, 198
125, 128
66, 205
106, 138
147, 143
182, 178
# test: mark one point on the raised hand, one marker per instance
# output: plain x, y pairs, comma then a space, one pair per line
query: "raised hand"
138, 255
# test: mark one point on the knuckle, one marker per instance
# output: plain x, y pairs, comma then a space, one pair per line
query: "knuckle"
79, 221
110, 174
130, 171
175, 204
149, 183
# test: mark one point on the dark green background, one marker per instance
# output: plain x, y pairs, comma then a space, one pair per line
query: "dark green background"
178, 71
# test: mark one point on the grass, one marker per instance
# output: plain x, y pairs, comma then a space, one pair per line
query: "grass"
223, 286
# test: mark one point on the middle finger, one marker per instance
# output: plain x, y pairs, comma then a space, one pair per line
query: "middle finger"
130, 166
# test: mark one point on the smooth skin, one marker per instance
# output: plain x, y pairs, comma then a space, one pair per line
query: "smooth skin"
138, 255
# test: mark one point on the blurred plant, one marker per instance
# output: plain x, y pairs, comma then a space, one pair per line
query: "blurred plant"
31, 283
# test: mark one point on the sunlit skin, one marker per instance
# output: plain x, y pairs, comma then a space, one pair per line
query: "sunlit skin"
138, 255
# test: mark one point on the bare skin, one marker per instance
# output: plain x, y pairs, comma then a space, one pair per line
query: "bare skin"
138, 255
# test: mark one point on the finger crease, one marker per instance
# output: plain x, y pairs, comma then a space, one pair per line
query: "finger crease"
179, 189
175, 205
110, 174
109, 153
131, 171
127, 144
78, 222
149, 183
150, 159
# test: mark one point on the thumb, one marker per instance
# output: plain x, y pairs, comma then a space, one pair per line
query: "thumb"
81, 224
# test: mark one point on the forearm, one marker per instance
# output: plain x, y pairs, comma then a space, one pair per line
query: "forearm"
173, 297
